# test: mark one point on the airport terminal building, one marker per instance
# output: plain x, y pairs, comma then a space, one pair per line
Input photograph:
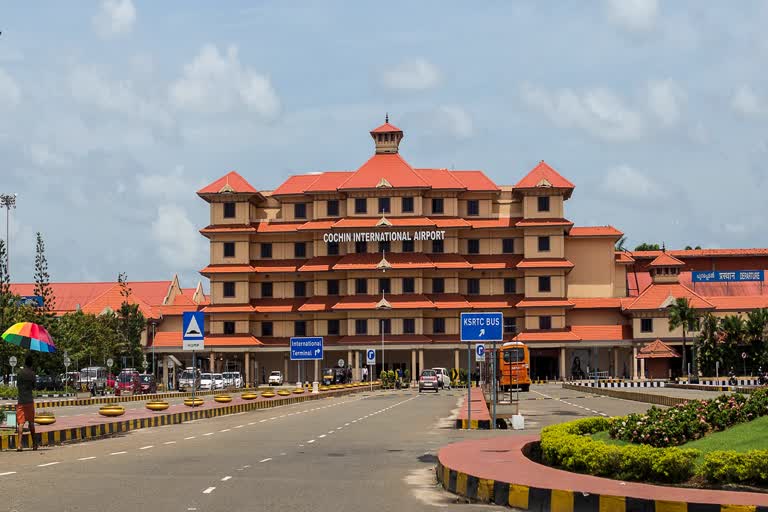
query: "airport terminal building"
390, 255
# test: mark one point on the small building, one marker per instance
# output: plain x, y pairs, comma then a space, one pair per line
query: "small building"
656, 360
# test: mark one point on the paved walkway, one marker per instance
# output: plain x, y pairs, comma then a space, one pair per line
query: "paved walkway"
501, 460
480, 417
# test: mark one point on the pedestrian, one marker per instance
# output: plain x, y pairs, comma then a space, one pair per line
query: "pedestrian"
263, 375
365, 374
25, 407
477, 377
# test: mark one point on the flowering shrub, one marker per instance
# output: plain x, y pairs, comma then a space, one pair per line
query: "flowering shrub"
736, 467
686, 422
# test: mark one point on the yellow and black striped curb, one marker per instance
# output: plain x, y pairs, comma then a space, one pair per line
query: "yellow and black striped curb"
556, 500
706, 387
86, 433
473, 424
636, 396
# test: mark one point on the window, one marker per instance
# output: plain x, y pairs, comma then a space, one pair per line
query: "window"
361, 326
438, 246
361, 205
384, 285
408, 246
383, 205
385, 326
385, 246
543, 244
333, 286
510, 325
473, 286
437, 205
333, 248
510, 285
361, 286
473, 246
266, 289
229, 289
438, 325
266, 250
409, 285
299, 288
229, 210
545, 284
334, 327
508, 245
361, 247
300, 328
473, 207
438, 285
229, 249
266, 329
300, 210
545, 322
409, 326
332, 207
300, 249
543, 203
407, 205
229, 327
646, 325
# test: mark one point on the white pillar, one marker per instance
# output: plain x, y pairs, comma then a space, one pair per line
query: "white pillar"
285, 369
421, 359
456, 358
317, 370
562, 364
634, 362
616, 370
357, 365
164, 368
247, 369
642, 369
414, 377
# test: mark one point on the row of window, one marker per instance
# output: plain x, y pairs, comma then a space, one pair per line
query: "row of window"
385, 285
646, 325
361, 207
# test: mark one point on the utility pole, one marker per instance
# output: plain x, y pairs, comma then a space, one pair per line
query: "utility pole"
8, 201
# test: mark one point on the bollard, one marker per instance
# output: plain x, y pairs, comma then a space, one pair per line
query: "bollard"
315, 387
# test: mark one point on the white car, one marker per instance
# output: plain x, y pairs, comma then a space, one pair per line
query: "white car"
233, 379
206, 381
276, 378
218, 381
443, 379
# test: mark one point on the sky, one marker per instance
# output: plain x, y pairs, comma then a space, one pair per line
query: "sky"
113, 113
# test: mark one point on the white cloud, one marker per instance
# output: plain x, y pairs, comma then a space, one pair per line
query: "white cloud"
177, 240
665, 100
115, 18
456, 120
445, 120
174, 185
629, 183
633, 15
598, 111
746, 101
217, 82
10, 94
43, 156
412, 74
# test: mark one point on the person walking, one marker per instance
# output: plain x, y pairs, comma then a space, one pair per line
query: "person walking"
25, 407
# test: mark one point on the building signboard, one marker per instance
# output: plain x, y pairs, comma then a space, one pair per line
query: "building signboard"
724, 276
383, 236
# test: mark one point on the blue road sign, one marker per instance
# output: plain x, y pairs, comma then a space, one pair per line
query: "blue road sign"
193, 330
725, 276
35, 301
479, 352
305, 349
482, 327
370, 357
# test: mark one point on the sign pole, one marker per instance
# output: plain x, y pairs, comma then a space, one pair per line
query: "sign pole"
469, 385
194, 375
493, 385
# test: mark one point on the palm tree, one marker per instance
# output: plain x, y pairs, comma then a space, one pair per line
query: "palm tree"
681, 314
734, 329
709, 343
757, 323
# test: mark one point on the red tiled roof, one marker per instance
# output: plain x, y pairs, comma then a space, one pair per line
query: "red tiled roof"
543, 336
266, 266
544, 176
543, 223
234, 228
502, 222
320, 303
450, 222
167, 339
441, 179
173, 340
596, 302
228, 308
232, 182
319, 264
370, 222
278, 227
296, 184
277, 305
623, 257
475, 181
739, 302
448, 301
176, 309
329, 181
389, 339
493, 261
656, 294
657, 350
322, 225
544, 263
369, 261
112, 298
491, 301
390, 167
449, 261
68, 295
704, 253
545, 303
408, 301
590, 231
666, 260
226, 269
386, 128
602, 332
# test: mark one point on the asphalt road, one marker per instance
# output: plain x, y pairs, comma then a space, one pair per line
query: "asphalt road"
360, 452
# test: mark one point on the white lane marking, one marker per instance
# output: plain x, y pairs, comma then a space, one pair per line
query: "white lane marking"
346, 424
225, 430
262, 421
273, 418
283, 453
240, 426
246, 466
226, 478
331, 431
170, 442
321, 436
209, 490
48, 464
8, 473
208, 434
311, 441
266, 460
251, 423
301, 446
118, 453
188, 438
86, 458
147, 447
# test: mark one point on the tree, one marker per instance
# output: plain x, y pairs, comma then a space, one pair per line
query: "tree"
648, 247
733, 331
6, 297
681, 314
42, 278
689, 248
130, 322
755, 329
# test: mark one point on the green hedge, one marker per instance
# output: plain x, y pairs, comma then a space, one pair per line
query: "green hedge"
736, 467
569, 446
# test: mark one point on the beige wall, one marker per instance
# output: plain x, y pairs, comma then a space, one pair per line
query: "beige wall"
594, 270
532, 317
531, 207
595, 317
242, 255
241, 290
620, 281
556, 245
660, 330
557, 284
241, 213
485, 208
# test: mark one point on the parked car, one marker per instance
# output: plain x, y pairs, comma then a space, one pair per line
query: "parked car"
443, 379
46, 382
428, 380
276, 378
206, 381
148, 383
190, 379
233, 379
70, 379
218, 381
94, 379
129, 382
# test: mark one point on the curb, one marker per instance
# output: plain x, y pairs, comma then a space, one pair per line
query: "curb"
90, 432
558, 500
635, 396
474, 424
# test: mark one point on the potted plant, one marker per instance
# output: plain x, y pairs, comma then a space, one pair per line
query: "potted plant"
45, 417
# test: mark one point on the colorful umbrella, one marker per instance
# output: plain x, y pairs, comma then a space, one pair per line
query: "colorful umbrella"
31, 336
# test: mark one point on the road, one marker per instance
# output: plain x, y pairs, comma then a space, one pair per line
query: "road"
352, 453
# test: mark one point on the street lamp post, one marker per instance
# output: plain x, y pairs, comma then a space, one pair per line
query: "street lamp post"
8, 201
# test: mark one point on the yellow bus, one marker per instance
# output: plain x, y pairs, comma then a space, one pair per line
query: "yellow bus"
514, 366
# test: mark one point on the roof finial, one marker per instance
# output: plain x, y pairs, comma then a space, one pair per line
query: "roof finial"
663, 247
386, 117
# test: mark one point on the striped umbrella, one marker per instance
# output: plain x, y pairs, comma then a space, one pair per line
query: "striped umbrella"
31, 336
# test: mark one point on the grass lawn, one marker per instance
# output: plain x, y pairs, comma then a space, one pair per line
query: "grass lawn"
604, 437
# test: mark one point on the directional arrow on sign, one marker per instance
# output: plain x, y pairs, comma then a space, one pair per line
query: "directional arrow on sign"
482, 332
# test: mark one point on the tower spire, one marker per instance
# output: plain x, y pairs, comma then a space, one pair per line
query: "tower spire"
386, 117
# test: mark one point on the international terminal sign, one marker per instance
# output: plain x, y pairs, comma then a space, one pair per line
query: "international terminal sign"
383, 236
725, 276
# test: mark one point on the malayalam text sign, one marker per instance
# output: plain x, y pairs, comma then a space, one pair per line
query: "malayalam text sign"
725, 276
